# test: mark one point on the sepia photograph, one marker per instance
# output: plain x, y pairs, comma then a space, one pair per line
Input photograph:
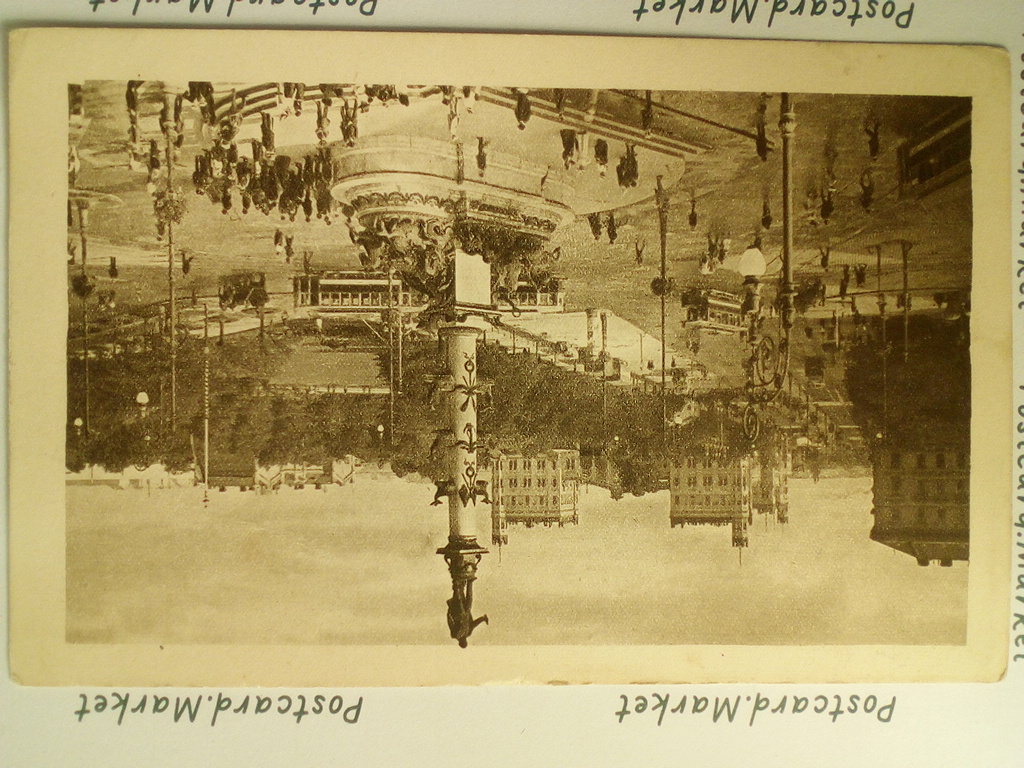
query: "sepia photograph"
518, 364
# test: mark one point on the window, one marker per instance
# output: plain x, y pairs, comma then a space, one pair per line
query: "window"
526, 464
691, 481
513, 483
708, 480
512, 465
541, 464
527, 482
554, 501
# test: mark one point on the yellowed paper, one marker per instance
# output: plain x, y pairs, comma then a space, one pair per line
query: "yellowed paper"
737, 499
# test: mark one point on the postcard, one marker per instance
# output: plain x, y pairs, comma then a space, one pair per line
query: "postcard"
431, 359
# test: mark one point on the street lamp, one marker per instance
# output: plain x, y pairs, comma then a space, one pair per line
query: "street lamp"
78, 426
143, 401
751, 265
769, 363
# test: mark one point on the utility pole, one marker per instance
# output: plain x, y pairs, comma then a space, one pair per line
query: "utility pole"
391, 355
885, 342
905, 247
206, 403
83, 223
787, 126
662, 199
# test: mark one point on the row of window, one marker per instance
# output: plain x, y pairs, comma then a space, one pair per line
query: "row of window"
530, 298
530, 501
693, 481
954, 514
528, 464
732, 501
542, 482
361, 299
929, 460
928, 489
707, 462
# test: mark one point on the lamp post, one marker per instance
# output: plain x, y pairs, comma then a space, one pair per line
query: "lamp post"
770, 360
168, 129
470, 298
83, 223
142, 400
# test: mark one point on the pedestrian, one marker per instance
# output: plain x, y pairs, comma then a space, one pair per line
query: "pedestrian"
601, 155
873, 129
761, 141
867, 189
481, 155
523, 108
570, 145
861, 274
647, 115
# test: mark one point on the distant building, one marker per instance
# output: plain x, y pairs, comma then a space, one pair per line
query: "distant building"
922, 502
681, 380
716, 311
353, 292
938, 153
710, 490
232, 473
295, 475
771, 486
534, 490
602, 472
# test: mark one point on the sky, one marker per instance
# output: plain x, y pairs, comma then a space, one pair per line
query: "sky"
357, 565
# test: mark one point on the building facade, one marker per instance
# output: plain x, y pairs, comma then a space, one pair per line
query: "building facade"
771, 484
922, 502
534, 490
712, 490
